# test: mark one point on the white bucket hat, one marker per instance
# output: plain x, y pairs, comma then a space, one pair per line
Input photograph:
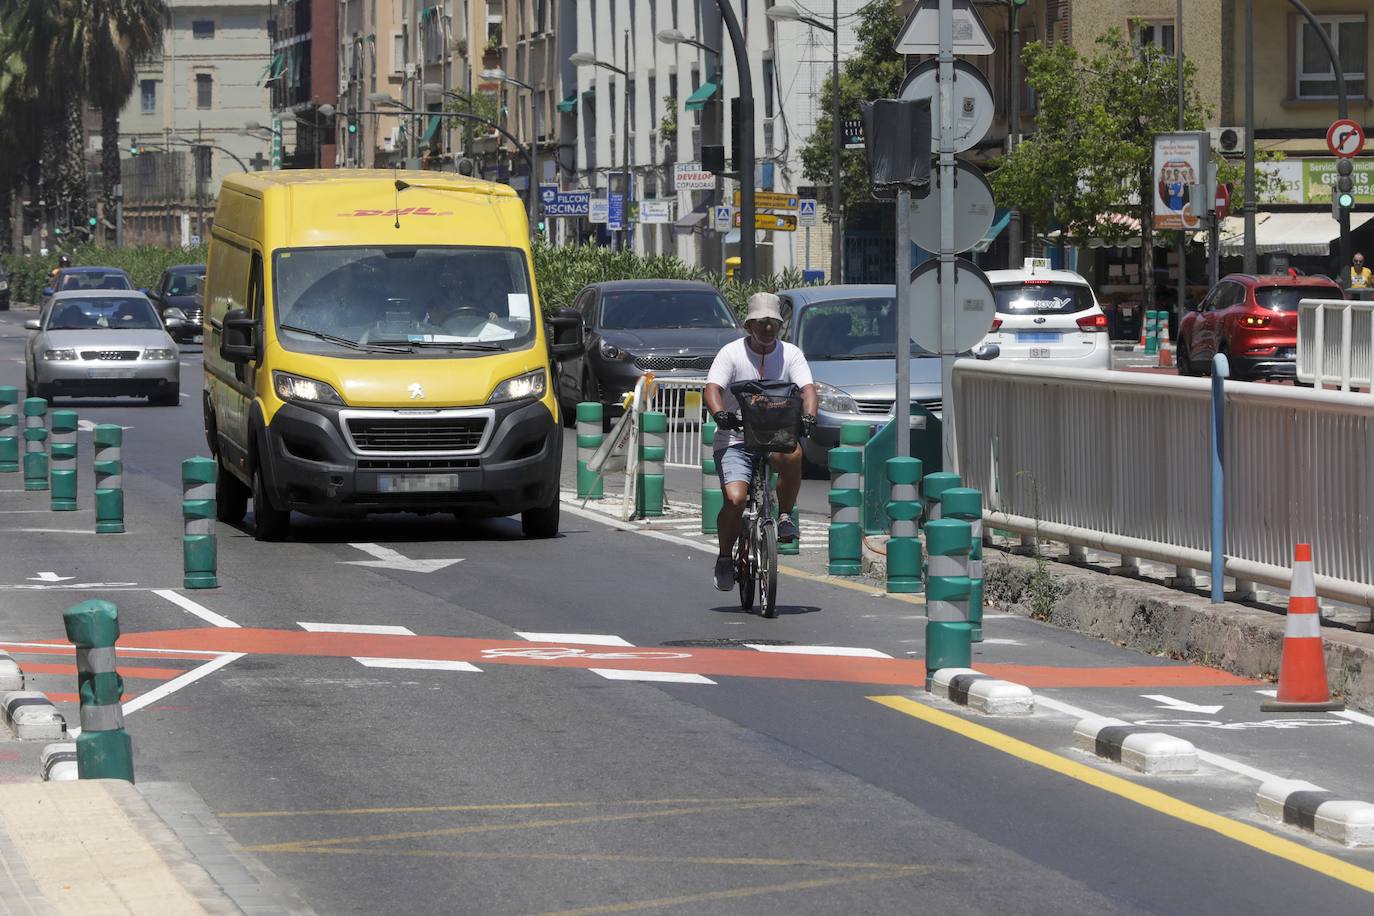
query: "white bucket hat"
764, 305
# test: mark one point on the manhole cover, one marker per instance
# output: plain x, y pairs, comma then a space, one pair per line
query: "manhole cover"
726, 643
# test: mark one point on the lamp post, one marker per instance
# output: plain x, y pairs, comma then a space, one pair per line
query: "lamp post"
745, 154
677, 37
788, 13
384, 99
500, 76
588, 59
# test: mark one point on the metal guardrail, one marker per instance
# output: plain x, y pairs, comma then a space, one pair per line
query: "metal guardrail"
1119, 462
1336, 343
681, 400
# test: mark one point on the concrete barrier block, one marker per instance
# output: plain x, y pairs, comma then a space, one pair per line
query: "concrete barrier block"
11, 675
1350, 823
1135, 746
988, 695
32, 717
57, 763
1309, 807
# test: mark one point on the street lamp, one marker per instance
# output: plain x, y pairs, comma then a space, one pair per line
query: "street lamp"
744, 159
588, 59
788, 13
500, 76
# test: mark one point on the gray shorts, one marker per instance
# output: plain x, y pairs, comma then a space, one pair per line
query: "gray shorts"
734, 463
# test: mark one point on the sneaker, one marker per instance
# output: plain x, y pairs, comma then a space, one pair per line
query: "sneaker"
725, 574
787, 530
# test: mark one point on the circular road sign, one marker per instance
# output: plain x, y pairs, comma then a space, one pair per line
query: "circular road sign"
1345, 138
974, 307
973, 210
973, 107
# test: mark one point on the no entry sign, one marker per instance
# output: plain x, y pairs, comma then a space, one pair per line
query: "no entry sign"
1345, 138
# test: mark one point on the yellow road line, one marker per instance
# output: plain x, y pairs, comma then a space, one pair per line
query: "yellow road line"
1150, 798
511, 806
871, 589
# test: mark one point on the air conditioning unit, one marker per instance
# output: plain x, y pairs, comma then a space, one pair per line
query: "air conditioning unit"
391, 139
411, 70
343, 88
1229, 141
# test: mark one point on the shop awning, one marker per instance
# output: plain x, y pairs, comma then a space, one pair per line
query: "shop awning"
697, 100
695, 216
431, 128
567, 105
1294, 233
998, 225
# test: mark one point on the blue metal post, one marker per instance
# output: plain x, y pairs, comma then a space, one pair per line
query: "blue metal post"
1220, 370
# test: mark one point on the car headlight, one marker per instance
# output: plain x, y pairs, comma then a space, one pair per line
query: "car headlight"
174, 312
304, 390
529, 385
160, 354
611, 351
833, 400
4, 285
59, 354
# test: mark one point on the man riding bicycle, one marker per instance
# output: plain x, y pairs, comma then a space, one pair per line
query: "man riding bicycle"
760, 356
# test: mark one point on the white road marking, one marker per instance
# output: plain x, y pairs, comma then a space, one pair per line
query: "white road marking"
820, 650
586, 639
391, 559
1181, 705
186, 604
54, 531
416, 664
672, 677
377, 629
58, 649
185, 680
49, 577
88, 426
1003, 642
1267, 693
1355, 716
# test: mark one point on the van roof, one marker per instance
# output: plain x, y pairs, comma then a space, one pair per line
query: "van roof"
339, 178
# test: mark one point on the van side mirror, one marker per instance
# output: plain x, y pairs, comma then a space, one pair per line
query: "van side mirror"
565, 330
238, 340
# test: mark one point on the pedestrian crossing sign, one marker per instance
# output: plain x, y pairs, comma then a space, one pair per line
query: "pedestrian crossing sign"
806, 212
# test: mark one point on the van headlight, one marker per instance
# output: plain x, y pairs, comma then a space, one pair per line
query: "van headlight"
529, 385
833, 400
304, 390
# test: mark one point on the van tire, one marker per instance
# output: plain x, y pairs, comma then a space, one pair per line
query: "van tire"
231, 497
269, 522
541, 521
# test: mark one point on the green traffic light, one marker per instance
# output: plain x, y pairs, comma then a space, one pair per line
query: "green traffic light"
352, 128
91, 222
57, 230
1345, 200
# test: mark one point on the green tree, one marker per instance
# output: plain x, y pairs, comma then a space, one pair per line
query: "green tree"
873, 71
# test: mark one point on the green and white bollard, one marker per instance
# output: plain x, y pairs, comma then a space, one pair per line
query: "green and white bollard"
966, 504
846, 510
855, 434
590, 435
198, 512
9, 429
653, 448
103, 749
35, 434
63, 448
949, 635
1153, 322
904, 511
109, 479
711, 496
932, 486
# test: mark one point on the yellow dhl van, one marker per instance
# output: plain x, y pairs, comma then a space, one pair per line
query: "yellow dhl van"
374, 343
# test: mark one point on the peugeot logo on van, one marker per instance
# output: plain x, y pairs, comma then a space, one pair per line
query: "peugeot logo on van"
417, 391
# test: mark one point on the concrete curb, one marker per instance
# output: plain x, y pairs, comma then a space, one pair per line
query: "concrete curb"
58, 762
32, 716
1135, 746
1301, 804
988, 695
11, 675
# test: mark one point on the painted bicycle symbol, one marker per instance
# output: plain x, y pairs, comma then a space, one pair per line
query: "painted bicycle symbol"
1282, 724
549, 653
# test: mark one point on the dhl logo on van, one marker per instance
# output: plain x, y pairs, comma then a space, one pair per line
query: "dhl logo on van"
404, 211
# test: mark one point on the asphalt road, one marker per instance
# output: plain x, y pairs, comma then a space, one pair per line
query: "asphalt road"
490, 757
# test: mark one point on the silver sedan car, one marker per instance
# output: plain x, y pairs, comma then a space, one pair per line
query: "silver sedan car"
101, 343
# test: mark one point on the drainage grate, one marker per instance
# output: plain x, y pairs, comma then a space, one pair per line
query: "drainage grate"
726, 643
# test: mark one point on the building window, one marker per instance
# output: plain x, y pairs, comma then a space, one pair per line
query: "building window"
398, 53
205, 90
148, 92
1314, 76
768, 100
203, 28
1158, 34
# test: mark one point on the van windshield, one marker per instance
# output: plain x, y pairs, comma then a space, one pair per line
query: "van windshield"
390, 299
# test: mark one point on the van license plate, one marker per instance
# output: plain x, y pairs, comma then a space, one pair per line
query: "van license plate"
1039, 352
416, 483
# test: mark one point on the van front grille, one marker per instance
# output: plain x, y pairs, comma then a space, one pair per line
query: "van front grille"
440, 434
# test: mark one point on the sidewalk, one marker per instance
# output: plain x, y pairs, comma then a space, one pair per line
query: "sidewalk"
104, 846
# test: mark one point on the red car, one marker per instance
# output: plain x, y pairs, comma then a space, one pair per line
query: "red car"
1253, 320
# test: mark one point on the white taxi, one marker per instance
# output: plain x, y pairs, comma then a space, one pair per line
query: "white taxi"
1049, 317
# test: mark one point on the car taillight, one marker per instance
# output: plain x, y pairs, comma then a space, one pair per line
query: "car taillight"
1093, 323
1254, 321
997, 324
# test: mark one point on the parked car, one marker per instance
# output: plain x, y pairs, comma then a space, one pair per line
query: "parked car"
84, 278
4, 290
1253, 320
673, 328
101, 343
1048, 317
178, 295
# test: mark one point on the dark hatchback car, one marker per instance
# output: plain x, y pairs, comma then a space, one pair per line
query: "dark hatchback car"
181, 288
673, 328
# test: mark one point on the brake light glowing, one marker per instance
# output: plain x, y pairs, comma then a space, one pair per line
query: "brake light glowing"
1093, 323
1254, 321
997, 324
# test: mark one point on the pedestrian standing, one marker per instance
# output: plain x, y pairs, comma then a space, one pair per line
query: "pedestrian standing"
1361, 277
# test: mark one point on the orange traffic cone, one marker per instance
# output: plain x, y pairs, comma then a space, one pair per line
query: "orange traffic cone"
1166, 349
1143, 322
1302, 671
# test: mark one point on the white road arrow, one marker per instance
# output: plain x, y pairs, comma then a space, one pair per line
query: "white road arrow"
49, 577
390, 559
1170, 703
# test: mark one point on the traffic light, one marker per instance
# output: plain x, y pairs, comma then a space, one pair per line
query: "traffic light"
1345, 185
352, 126
56, 230
133, 147
1018, 2
91, 221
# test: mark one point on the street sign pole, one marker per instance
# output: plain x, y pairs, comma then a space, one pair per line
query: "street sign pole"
901, 404
945, 99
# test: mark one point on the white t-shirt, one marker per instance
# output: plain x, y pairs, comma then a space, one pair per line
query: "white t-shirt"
737, 362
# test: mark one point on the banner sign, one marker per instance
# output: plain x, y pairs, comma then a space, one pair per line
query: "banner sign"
1179, 163
554, 202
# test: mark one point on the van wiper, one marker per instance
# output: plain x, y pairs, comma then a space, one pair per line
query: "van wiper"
445, 345
341, 341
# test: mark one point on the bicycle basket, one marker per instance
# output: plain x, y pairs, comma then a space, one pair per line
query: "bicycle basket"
772, 412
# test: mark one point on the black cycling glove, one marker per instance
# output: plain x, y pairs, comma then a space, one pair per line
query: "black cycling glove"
808, 425
726, 420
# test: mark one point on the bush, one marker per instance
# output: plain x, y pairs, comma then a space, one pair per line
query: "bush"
143, 263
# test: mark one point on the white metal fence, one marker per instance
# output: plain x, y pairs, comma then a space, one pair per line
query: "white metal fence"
1336, 343
681, 400
1120, 462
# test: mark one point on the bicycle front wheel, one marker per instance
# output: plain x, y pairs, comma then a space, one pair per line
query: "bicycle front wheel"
744, 571
767, 566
